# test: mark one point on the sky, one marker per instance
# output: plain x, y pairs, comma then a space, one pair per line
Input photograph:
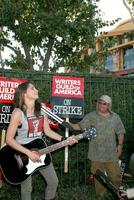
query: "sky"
112, 9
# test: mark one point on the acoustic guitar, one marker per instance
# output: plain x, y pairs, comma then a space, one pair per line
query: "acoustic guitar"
16, 167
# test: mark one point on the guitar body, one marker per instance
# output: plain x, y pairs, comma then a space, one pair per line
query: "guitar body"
17, 167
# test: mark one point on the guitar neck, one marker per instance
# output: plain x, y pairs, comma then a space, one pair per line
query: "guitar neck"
58, 145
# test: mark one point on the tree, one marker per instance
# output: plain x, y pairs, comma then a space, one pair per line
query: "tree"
129, 4
38, 31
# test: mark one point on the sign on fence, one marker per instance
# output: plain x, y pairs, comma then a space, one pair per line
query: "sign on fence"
7, 90
68, 96
68, 101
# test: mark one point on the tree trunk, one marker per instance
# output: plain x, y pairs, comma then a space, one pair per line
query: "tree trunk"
48, 54
29, 60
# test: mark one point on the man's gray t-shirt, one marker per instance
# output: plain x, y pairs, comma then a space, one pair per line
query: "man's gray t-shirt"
102, 148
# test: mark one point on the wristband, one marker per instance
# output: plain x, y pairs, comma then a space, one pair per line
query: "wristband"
63, 138
120, 144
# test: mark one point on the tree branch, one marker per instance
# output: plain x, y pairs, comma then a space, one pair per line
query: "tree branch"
17, 53
29, 60
129, 10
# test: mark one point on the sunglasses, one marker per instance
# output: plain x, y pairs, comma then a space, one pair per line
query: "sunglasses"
102, 103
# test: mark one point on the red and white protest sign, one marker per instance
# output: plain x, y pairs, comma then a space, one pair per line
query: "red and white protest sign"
68, 87
68, 96
7, 89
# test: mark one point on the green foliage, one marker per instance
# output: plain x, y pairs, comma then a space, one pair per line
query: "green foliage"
37, 31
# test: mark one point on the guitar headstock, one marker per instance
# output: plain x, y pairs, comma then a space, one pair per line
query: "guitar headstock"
89, 133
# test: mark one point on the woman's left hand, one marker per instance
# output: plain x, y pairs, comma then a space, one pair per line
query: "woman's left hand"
72, 140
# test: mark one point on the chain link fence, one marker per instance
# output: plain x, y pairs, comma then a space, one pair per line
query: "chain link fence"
122, 92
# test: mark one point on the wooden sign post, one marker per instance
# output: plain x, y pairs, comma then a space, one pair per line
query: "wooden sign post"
66, 149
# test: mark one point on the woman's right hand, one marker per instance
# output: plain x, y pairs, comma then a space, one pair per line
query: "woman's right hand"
34, 156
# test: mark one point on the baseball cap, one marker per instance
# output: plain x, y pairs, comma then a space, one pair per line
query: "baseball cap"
106, 98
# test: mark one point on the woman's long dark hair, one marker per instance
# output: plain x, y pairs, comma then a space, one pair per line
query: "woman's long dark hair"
19, 98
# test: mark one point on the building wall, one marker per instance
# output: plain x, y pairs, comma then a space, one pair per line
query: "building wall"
121, 54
